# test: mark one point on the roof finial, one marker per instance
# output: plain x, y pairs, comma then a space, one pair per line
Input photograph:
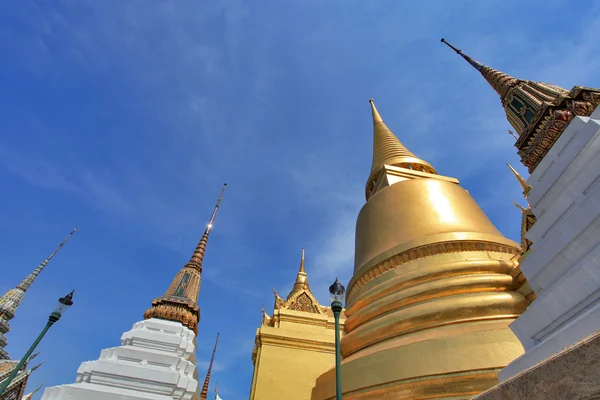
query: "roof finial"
302, 262
204, 392
520, 207
511, 133
524, 185
13, 298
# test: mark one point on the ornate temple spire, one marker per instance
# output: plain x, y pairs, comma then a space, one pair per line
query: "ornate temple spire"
388, 150
13, 298
538, 111
179, 303
204, 392
526, 186
498, 80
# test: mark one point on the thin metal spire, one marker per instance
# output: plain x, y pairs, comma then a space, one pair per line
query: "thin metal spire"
476, 64
26, 283
204, 392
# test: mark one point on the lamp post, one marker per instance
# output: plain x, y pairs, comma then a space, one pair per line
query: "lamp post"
337, 295
63, 304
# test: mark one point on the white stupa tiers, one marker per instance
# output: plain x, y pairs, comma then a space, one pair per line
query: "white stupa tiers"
156, 359
563, 265
154, 362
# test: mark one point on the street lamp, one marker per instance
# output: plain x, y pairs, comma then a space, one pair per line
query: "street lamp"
63, 304
337, 295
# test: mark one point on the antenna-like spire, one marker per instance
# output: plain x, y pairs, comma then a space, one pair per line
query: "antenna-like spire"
180, 301
500, 81
198, 256
476, 64
13, 298
524, 185
204, 392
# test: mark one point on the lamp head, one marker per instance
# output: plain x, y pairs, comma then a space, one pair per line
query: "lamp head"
64, 303
337, 291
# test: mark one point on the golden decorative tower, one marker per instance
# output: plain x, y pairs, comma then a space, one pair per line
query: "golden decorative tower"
538, 111
293, 346
204, 392
527, 221
432, 295
180, 302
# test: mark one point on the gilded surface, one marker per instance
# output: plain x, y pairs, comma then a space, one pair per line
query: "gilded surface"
433, 293
293, 346
387, 149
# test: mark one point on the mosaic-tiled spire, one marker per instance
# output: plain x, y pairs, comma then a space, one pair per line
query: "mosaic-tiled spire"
179, 303
538, 111
13, 298
204, 392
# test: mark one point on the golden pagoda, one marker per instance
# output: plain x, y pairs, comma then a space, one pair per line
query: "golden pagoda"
433, 293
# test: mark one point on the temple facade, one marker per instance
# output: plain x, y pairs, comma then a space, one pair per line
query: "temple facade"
294, 345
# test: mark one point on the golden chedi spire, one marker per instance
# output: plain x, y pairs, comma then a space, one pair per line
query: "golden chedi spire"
11, 300
179, 303
301, 279
538, 111
204, 391
528, 219
388, 150
432, 296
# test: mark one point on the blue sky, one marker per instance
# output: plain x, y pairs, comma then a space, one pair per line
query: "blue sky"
124, 118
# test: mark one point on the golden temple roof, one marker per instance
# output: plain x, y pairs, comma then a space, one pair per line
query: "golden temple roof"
300, 297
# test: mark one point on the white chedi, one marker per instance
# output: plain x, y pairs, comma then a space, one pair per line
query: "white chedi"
154, 362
